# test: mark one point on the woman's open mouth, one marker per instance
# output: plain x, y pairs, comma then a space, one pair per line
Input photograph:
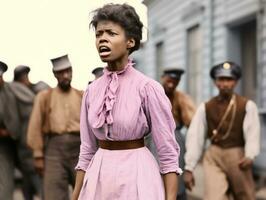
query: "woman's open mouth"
104, 51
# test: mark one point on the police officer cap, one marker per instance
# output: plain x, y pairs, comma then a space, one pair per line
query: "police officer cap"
19, 71
173, 72
61, 63
98, 71
3, 68
226, 69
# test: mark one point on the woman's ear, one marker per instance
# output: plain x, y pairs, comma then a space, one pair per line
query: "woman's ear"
131, 43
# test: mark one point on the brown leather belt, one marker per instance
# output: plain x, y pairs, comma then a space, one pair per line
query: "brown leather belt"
121, 145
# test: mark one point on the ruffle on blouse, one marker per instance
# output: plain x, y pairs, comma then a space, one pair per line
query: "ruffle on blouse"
104, 115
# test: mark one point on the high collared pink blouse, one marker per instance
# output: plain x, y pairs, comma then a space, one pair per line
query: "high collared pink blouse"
127, 105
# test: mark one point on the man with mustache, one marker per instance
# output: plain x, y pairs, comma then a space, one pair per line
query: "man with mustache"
231, 124
53, 132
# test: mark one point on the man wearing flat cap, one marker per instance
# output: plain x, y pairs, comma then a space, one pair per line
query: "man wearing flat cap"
9, 135
53, 132
97, 72
183, 109
21, 75
231, 123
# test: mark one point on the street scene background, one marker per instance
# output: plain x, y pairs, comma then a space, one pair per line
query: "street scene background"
193, 35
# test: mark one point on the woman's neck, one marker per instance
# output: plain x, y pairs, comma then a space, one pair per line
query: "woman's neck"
117, 65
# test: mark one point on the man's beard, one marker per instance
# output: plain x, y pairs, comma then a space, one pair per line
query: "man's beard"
169, 92
226, 93
65, 87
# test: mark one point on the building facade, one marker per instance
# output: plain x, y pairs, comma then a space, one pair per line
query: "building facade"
197, 34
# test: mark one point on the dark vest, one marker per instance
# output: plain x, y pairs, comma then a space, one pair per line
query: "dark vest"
215, 110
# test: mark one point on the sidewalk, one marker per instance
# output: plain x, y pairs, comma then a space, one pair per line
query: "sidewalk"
197, 192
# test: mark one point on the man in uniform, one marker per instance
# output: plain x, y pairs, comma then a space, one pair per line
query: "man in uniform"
9, 135
53, 132
231, 123
183, 109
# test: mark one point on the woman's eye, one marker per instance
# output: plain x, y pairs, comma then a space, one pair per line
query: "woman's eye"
112, 33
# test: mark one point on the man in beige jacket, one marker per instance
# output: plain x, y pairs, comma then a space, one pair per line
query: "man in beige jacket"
53, 132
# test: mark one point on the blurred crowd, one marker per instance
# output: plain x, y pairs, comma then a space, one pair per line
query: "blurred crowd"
27, 112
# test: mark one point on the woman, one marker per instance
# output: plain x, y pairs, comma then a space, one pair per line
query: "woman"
118, 110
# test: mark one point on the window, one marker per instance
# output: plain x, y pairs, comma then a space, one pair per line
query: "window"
194, 61
249, 59
159, 59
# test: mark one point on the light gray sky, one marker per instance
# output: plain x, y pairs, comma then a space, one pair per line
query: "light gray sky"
34, 31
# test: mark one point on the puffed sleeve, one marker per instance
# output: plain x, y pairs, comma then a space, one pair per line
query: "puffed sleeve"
157, 108
88, 145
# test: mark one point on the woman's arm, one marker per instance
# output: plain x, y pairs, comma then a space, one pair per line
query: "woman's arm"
79, 182
170, 185
158, 112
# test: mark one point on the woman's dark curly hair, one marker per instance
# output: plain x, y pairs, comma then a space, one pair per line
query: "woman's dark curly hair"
124, 15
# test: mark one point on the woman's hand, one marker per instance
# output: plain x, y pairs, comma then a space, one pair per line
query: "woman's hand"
78, 185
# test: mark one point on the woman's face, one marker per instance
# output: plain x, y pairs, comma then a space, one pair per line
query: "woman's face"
111, 42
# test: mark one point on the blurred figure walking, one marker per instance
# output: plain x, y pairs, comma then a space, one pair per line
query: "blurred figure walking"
9, 135
53, 132
183, 109
25, 92
21, 75
231, 123
97, 72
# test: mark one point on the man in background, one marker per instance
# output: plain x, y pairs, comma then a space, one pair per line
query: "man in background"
25, 93
53, 132
231, 123
183, 110
97, 72
21, 75
9, 135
